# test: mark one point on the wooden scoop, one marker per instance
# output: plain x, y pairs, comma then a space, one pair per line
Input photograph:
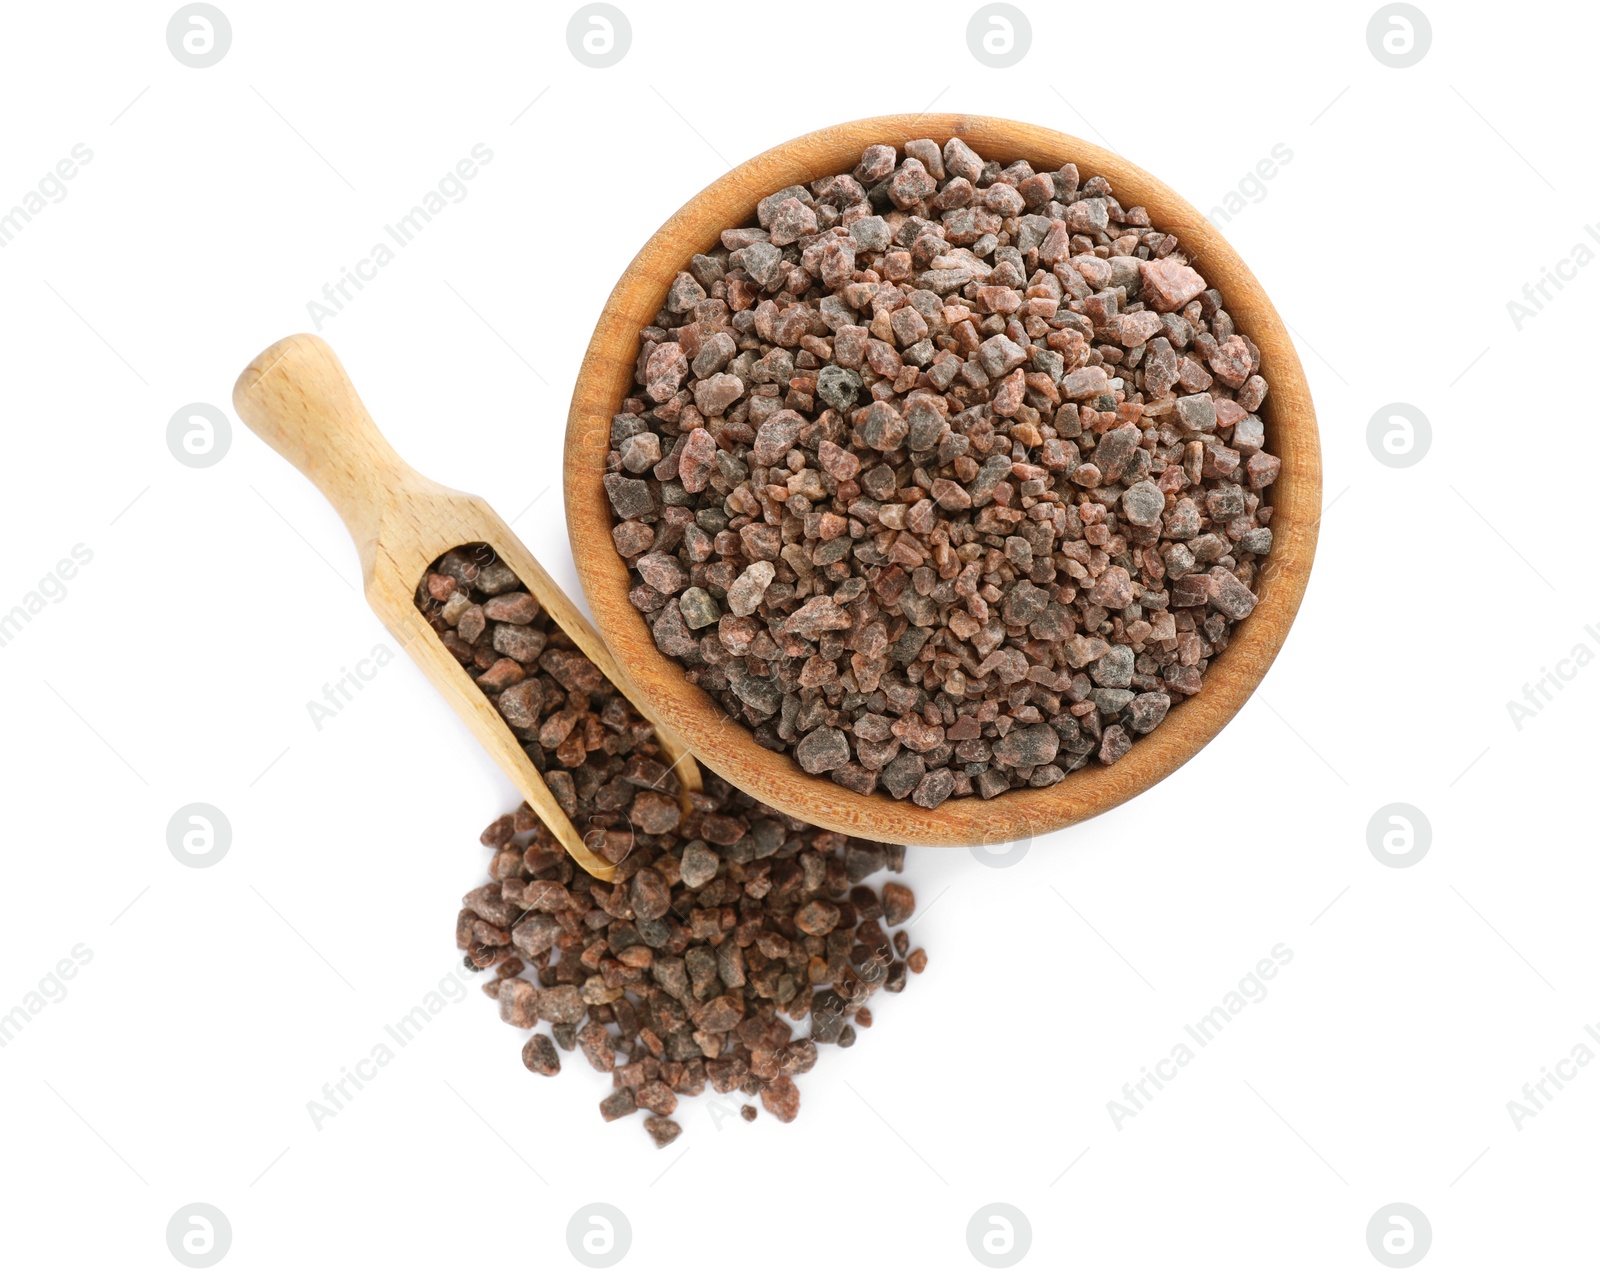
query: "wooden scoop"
297, 397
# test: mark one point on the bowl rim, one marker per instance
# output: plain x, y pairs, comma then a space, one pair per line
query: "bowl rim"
728, 747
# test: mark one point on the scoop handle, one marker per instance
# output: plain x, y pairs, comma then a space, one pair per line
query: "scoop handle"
297, 398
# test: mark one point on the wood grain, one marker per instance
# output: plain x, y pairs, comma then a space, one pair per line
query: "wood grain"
297, 397
727, 746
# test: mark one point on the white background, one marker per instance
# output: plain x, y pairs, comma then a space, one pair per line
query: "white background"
178, 667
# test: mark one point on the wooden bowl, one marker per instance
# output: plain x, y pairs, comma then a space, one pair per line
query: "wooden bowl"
728, 746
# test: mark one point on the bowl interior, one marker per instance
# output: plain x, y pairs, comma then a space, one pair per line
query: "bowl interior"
728, 746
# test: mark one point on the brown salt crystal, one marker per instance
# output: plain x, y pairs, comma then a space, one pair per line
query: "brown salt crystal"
598, 1046
695, 461
521, 703
501, 675
656, 1097
619, 1104
654, 813
518, 641
898, 903
781, 1098
539, 1055
663, 1131
1262, 470
517, 1003
1167, 285
1230, 596
877, 162
1114, 745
